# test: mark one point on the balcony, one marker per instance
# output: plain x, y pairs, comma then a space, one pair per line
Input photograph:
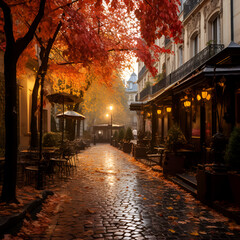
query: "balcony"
195, 62
188, 6
145, 92
187, 68
160, 85
142, 71
136, 97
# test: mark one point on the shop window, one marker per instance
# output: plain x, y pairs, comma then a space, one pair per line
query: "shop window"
44, 120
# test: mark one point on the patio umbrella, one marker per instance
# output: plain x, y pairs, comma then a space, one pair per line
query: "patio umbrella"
63, 98
71, 114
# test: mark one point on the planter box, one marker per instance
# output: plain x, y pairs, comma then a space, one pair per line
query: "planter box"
127, 147
173, 163
212, 186
234, 182
139, 152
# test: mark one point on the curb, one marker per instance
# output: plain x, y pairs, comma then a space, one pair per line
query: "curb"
12, 220
216, 207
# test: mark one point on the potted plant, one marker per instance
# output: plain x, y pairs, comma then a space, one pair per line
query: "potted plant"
115, 139
127, 145
212, 178
140, 149
173, 159
232, 158
120, 138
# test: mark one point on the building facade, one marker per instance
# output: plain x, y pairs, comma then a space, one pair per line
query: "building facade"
197, 87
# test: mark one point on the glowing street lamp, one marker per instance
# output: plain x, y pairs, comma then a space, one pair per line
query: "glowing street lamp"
111, 109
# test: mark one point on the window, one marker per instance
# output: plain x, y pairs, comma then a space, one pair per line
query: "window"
180, 56
216, 30
195, 47
130, 85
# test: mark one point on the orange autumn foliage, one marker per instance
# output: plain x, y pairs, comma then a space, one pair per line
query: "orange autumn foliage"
104, 34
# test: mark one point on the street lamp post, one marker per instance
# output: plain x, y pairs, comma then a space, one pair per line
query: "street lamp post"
111, 108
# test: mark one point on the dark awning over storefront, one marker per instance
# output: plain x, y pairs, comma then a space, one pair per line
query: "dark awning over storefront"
220, 71
137, 106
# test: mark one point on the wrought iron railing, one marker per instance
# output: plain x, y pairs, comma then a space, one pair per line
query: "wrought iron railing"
145, 92
188, 6
158, 86
195, 62
184, 70
136, 97
142, 71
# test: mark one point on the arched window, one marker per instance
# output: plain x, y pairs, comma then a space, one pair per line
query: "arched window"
180, 56
214, 29
195, 44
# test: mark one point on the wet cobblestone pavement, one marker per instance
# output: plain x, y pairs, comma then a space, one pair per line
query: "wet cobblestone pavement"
113, 198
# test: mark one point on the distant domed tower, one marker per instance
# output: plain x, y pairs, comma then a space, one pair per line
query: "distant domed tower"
131, 92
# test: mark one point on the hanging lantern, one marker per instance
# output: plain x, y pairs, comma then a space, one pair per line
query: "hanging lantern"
208, 97
187, 103
199, 97
148, 114
168, 109
204, 94
159, 111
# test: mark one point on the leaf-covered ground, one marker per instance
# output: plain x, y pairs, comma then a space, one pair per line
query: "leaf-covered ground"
112, 196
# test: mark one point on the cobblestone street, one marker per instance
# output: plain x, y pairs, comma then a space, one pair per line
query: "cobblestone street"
113, 198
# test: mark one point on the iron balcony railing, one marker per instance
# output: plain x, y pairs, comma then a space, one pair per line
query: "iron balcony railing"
187, 68
136, 97
158, 86
195, 62
142, 71
145, 92
188, 6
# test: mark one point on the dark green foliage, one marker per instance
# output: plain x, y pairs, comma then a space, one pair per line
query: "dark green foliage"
115, 135
128, 135
232, 155
175, 139
51, 139
86, 135
2, 152
121, 135
140, 135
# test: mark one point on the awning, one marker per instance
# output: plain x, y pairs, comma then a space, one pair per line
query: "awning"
137, 106
210, 71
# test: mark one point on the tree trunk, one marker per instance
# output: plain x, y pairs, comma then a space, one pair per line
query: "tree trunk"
44, 57
13, 50
33, 129
11, 147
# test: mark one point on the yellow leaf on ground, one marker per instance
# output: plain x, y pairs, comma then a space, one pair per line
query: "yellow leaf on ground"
169, 208
194, 233
171, 230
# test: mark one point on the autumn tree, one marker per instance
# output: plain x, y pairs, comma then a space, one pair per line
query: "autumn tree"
103, 34
14, 49
99, 97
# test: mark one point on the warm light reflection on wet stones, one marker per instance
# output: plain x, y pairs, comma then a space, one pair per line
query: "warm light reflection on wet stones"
115, 199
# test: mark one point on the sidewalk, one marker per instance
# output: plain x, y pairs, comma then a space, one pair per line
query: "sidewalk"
113, 196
